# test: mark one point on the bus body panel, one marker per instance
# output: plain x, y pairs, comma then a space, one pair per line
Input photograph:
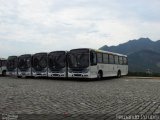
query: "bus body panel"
109, 70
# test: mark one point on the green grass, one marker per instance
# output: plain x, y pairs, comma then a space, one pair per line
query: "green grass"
143, 74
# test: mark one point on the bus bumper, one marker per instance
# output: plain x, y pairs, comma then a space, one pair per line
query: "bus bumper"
79, 75
11, 73
24, 74
57, 74
39, 74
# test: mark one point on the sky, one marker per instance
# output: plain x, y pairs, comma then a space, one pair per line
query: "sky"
31, 26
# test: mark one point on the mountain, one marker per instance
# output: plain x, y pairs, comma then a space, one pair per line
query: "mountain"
142, 54
145, 59
134, 46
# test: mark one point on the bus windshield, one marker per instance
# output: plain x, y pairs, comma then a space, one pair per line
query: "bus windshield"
78, 58
57, 60
12, 63
24, 62
40, 61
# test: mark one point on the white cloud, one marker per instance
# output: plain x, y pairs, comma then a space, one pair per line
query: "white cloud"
46, 25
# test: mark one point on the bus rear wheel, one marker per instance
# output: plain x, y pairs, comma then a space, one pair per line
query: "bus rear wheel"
99, 75
119, 74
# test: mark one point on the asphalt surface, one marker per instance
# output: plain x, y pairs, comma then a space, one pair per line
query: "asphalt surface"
50, 99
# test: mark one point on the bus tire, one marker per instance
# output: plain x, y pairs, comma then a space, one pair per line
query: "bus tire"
4, 73
100, 75
118, 74
19, 76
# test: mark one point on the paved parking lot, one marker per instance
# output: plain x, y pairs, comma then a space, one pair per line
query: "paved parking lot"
76, 99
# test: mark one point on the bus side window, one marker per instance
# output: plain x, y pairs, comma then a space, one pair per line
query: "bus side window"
116, 60
93, 58
111, 59
99, 58
3, 63
105, 58
125, 61
120, 60
0, 63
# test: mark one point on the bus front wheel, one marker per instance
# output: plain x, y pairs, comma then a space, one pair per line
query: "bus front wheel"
119, 74
99, 75
4, 73
19, 76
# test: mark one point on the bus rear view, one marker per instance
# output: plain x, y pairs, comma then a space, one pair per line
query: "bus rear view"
39, 68
25, 65
57, 66
12, 65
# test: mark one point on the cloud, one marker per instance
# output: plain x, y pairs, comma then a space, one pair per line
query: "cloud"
47, 25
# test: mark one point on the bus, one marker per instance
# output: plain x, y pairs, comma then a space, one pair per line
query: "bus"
57, 64
91, 63
25, 65
12, 65
3, 66
39, 64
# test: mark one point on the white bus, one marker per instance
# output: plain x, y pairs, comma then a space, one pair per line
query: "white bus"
39, 65
12, 65
57, 64
25, 65
3, 66
90, 63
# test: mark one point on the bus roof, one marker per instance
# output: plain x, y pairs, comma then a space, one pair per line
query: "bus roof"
25, 55
40, 53
12, 56
58, 51
113, 53
2, 59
